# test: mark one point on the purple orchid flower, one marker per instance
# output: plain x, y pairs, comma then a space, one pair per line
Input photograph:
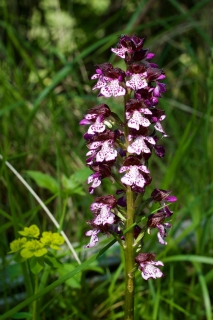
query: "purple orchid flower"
109, 80
157, 221
137, 175
137, 114
138, 77
131, 50
162, 196
101, 171
96, 116
147, 265
102, 147
139, 145
127, 45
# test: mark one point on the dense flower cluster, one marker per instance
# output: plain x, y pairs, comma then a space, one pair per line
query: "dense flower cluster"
125, 146
29, 245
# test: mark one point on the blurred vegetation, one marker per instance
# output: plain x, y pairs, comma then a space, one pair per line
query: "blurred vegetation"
48, 50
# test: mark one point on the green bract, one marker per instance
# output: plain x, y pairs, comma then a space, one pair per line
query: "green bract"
17, 244
33, 248
54, 240
32, 232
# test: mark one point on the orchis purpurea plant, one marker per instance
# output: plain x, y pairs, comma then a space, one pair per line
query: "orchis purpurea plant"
120, 149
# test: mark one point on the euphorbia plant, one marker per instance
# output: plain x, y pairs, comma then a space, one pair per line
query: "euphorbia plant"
120, 149
33, 251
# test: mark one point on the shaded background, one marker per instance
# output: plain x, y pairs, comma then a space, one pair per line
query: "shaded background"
48, 50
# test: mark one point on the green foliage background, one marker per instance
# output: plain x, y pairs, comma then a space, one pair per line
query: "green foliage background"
48, 50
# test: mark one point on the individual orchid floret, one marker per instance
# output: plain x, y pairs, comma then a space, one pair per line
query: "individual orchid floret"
144, 148
137, 175
142, 56
108, 200
159, 89
137, 75
96, 117
137, 119
162, 196
147, 265
109, 80
102, 70
155, 117
104, 218
136, 114
101, 209
153, 75
136, 105
159, 150
139, 145
93, 233
101, 171
98, 126
102, 147
159, 128
107, 151
94, 238
157, 221
131, 50
128, 45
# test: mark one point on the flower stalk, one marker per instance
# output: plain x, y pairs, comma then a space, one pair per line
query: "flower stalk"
129, 258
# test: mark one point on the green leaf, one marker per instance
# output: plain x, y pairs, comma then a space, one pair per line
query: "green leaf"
52, 261
81, 175
22, 315
36, 264
205, 291
190, 258
18, 258
13, 271
44, 181
71, 186
69, 183
74, 282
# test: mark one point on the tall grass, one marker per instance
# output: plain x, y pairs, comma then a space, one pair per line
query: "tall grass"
45, 90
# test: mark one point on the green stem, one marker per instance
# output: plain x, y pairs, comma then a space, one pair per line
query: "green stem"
129, 241
43, 283
27, 282
36, 301
129, 258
